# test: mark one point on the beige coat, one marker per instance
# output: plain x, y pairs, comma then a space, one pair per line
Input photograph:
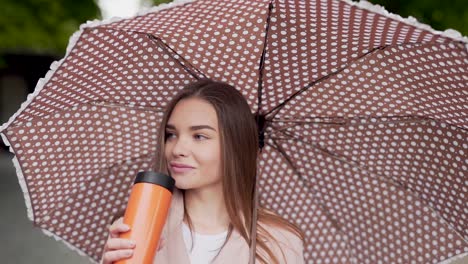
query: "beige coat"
236, 250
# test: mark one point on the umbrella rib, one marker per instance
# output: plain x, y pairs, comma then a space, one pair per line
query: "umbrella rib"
278, 107
308, 122
262, 58
343, 159
84, 184
169, 51
324, 208
348, 121
277, 147
388, 180
116, 105
345, 120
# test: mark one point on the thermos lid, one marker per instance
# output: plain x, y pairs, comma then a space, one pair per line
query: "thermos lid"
157, 178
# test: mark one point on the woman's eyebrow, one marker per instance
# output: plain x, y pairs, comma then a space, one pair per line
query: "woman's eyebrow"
171, 127
202, 127
193, 128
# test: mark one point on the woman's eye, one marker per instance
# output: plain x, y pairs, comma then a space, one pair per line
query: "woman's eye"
169, 135
199, 137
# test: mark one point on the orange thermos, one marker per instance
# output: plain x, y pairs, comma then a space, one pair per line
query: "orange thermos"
146, 214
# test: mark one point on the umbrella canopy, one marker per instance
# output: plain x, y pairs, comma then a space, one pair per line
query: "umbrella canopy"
363, 122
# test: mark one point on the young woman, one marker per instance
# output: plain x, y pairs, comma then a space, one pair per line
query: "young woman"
209, 144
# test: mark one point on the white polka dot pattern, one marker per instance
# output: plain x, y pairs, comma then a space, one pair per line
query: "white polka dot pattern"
427, 80
225, 41
311, 39
284, 192
112, 66
366, 122
370, 173
77, 166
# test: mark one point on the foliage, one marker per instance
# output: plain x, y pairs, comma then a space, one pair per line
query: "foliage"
42, 26
439, 14
157, 2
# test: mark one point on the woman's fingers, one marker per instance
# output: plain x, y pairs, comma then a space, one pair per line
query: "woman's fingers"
116, 255
119, 243
118, 227
117, 248
161, 244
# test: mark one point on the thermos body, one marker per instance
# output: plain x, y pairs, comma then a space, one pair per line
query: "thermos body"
146, 214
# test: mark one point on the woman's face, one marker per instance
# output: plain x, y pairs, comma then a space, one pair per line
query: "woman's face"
192, 148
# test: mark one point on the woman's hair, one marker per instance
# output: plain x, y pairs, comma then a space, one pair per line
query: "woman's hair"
239, 150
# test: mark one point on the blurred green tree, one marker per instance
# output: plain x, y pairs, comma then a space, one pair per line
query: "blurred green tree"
157, 2
439, 14
42, 26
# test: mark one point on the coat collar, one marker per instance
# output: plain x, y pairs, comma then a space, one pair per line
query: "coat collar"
175, 249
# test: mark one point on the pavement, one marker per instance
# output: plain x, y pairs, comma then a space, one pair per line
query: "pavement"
20, 241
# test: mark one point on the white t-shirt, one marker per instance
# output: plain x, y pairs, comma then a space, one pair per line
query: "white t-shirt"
206, 247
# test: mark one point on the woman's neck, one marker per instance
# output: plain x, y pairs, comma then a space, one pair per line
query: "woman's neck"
207, 210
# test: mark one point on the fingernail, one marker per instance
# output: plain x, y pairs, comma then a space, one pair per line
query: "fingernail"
127, 227
132, 243
129, 253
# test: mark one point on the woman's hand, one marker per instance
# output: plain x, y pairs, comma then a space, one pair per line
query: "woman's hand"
117, 248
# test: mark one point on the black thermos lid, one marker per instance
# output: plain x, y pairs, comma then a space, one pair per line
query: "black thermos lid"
160, 179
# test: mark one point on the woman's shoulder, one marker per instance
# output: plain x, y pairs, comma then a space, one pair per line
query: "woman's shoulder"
283, 234
279, 225
282, 237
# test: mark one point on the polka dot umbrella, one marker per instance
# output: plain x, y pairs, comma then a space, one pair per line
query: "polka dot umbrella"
363, 118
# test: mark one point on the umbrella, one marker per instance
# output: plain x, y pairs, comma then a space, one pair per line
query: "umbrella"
363, 122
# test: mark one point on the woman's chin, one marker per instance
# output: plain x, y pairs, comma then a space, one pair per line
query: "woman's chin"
183, 186
181, 183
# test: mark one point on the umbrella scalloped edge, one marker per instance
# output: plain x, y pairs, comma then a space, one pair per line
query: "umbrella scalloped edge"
455, 258
143, 11
57, 238
449, 33
27, 200
71, 44
39, 86
21, 179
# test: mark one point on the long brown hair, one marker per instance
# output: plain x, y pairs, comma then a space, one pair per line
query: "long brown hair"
239, 148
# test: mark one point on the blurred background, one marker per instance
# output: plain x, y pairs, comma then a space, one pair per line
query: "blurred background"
34, 33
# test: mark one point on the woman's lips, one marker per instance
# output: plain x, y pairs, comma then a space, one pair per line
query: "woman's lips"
180, 168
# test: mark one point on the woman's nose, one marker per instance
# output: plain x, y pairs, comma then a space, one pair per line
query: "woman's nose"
180, 147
